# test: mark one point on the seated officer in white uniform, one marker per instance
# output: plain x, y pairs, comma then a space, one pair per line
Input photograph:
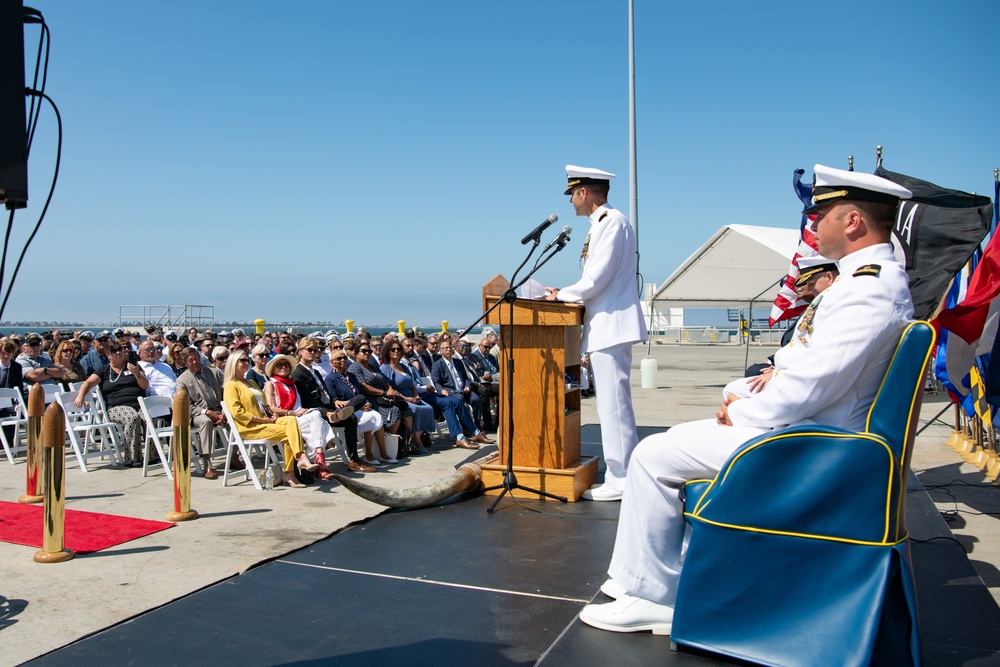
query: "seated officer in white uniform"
828, 374
815, 275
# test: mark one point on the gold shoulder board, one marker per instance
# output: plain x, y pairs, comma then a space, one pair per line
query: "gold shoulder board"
868, 270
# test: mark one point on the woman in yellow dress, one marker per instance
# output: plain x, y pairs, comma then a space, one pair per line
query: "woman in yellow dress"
245, 402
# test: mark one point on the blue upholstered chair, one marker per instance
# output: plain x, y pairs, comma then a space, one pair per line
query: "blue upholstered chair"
798, 552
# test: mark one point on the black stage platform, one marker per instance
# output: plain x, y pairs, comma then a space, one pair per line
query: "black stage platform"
451, 585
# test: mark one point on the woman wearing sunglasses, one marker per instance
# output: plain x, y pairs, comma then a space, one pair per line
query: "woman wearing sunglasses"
245, 402
122, 383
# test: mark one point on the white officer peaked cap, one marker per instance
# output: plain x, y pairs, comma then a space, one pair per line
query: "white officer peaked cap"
810, 266
584, 176
830, 185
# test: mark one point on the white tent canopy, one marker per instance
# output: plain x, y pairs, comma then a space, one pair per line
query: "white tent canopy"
739, 264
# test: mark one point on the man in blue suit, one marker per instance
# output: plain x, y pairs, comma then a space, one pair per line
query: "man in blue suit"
450, 379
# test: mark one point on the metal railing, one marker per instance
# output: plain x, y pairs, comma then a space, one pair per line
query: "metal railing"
167, 317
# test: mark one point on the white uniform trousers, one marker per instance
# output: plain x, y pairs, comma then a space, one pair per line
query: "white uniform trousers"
612, 366
649, 547
738, 388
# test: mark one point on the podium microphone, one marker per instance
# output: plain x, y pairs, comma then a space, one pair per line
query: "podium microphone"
559, 240
536, 233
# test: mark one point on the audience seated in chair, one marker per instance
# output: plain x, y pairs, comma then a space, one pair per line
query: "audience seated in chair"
423, 413
162, 380
284, 398
450, 379
245, 402
121, 383
379, 391
205, 393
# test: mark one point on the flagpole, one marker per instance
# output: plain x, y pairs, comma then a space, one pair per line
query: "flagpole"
648, 366
633, 212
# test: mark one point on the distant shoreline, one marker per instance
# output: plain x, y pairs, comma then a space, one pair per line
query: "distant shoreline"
9, 328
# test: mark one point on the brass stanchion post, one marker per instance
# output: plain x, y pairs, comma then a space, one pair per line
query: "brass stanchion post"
956, 435
33, 457
54, 467
182, 459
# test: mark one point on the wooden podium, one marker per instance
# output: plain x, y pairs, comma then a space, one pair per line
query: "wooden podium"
546, 413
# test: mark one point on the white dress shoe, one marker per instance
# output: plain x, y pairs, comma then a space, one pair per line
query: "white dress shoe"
602, 493
630, 614
613, 589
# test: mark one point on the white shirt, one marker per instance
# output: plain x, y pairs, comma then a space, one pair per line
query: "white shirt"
607, 288
162, 381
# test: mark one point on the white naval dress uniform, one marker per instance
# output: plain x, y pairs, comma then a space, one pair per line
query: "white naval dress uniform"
829, 374
612, 323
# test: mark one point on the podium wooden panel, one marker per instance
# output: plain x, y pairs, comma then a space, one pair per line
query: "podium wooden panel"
546, 346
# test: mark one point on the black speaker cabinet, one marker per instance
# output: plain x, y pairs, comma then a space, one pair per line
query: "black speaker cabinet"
13, 128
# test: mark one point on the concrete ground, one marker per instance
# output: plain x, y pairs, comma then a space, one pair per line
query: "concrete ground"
43, 607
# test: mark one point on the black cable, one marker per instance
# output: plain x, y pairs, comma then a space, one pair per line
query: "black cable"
639, 279
6, 244
960, 482
43, 40
941, 537
48, 200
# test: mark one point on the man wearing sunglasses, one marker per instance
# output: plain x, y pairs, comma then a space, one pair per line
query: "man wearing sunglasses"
313, 394
36, 370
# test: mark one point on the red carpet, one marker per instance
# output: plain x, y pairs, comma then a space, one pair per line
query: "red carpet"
84, 532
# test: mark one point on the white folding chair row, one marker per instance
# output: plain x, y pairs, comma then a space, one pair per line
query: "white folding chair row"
12, 398
89, 436
247, 448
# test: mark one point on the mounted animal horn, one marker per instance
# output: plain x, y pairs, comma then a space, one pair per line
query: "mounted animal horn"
464, 479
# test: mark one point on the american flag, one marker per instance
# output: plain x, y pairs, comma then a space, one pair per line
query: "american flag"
787, 304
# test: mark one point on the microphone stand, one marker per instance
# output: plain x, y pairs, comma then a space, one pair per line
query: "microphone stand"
509, 297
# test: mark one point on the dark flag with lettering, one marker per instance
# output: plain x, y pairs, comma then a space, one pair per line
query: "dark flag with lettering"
937, 231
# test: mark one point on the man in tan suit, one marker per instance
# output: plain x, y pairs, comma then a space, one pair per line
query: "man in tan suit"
205, 393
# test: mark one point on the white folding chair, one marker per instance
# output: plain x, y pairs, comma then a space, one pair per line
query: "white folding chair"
89, 437
247, 448
340, 443
159, 435
11, 398
51, 390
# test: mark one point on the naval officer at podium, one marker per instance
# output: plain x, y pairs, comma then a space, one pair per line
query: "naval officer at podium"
612, 320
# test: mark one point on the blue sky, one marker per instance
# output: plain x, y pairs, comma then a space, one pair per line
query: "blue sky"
382, 160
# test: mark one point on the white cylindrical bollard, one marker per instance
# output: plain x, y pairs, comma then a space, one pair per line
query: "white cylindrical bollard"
647, 371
